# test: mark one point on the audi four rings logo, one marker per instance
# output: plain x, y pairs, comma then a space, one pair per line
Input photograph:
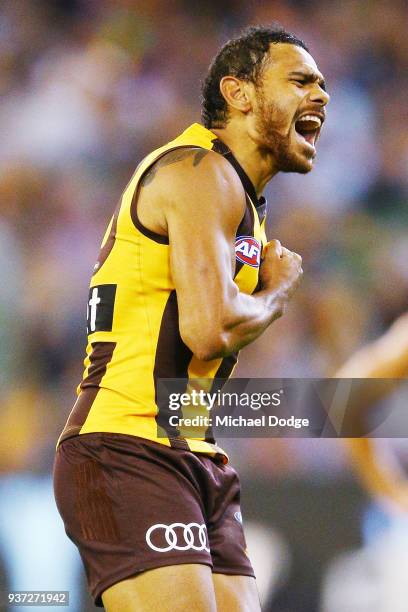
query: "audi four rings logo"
177, 536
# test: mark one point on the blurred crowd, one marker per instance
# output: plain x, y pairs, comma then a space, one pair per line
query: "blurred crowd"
88, 87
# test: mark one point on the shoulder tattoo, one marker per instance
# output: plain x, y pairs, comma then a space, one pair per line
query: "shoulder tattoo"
172, 157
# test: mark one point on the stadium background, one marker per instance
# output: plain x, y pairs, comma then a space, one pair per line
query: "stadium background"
88, 87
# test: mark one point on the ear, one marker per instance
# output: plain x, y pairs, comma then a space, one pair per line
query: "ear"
236, 93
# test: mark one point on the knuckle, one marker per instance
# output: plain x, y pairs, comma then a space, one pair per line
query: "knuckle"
276, 245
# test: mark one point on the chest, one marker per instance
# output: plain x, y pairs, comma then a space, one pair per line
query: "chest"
249, 241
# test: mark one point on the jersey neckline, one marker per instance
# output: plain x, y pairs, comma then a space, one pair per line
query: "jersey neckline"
219, 146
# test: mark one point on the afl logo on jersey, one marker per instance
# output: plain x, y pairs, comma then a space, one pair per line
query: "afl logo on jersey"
248, 251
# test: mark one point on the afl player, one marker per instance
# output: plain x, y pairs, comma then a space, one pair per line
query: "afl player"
185, 278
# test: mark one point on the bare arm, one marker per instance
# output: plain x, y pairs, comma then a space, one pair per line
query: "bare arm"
385, 362
387, 357
202, 204
379, 471
373, 461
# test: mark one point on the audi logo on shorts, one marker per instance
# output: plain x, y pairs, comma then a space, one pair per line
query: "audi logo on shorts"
177, 536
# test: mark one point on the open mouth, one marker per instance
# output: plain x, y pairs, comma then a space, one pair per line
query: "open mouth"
309, 127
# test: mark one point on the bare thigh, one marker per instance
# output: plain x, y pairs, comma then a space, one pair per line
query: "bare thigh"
237, 593
174, 588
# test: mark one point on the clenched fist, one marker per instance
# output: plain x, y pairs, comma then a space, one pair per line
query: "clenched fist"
281, 270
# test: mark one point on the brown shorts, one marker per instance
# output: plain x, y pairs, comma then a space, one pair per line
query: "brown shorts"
130, 505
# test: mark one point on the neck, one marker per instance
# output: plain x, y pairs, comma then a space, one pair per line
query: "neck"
258, 164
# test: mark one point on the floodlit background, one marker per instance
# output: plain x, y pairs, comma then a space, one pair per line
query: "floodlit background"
88, 87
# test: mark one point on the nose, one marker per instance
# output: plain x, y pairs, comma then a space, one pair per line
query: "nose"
319, 95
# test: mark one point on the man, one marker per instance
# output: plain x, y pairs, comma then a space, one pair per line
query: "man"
156, 516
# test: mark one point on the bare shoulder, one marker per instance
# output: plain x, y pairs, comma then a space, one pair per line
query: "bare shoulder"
179, 159
194, 172
186, 179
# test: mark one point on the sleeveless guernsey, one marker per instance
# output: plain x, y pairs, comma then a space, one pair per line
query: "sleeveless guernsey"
133, 333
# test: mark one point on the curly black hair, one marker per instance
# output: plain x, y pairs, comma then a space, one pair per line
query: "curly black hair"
244, 58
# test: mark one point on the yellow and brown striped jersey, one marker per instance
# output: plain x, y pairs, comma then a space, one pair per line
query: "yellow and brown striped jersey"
133, 334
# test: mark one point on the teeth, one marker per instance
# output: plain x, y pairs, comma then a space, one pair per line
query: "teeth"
313, 118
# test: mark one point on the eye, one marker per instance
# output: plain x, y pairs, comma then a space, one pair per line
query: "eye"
299, 82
